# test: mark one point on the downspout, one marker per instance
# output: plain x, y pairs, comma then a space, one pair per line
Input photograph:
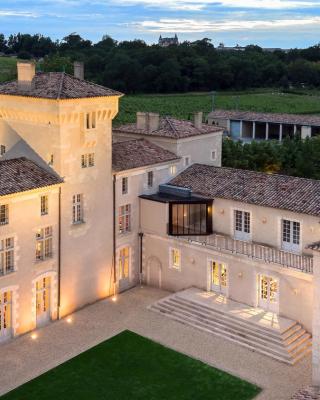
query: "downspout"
59, 254
141, 257
114, 236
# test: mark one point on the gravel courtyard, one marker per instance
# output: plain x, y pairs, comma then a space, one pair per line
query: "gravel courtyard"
23, 358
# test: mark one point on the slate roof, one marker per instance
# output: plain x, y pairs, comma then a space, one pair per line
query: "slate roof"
19, 175
138, 153
278, 191
277, 118
57, 85
171, 128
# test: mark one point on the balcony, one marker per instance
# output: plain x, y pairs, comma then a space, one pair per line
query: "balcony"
255, 251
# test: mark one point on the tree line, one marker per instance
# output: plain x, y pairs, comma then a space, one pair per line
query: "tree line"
135, 67
295, 157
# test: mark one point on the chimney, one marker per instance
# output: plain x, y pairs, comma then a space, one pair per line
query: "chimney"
154, 122
142, 120
78, 70
26, 73
198, 116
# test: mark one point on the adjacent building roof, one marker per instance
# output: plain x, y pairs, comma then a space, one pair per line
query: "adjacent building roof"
278, 191
57, 85
295, 119
138, 153
19, 175
170, 128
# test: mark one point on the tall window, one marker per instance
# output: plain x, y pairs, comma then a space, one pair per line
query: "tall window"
44, 243
5, 313
90, 120
242, 225
87, 160
175, 258
6, 256
44, 205
77, 208
125, 218
2, 149
186, 161
124, 263
150, 179
125, 185
190, 219
290, 235
4, 214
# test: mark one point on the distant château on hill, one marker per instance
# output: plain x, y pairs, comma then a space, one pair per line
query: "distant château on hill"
165, 42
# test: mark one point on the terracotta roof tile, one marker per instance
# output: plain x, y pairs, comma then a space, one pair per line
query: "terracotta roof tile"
171, 128
138, 153
57, 85
296, 119
19, 175
278, 191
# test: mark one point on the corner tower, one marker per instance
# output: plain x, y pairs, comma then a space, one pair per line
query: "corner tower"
68, 122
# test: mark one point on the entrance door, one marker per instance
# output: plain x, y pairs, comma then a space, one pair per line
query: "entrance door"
5, 315
268, 293
43, 301
219, 277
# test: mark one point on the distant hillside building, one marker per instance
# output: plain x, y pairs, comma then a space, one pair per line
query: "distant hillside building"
165, 42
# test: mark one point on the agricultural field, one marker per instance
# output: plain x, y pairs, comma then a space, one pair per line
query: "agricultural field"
183, 105
7, 68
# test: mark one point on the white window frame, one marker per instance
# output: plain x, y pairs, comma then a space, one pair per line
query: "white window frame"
4, 214
291, 246
77, 209
121, 259
44, 204
172, 262
124, 185
210, 287
90, 120
237, 234
7, 255
187, 161
87, 160
150, 181
173, 170
124, 219
44, 243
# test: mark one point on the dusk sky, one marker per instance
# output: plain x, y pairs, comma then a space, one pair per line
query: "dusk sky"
269, 23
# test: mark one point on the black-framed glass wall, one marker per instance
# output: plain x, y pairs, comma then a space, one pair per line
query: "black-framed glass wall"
190, 219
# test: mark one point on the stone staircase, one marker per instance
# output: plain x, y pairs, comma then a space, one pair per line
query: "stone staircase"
287, 345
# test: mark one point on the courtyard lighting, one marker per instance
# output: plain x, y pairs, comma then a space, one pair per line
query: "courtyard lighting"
34, 336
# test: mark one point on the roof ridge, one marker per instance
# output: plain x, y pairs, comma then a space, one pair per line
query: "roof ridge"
256, 172
167, 118
61, 85
92, 83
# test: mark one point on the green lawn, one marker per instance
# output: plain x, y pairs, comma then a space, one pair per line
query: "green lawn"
183, 105
129, 366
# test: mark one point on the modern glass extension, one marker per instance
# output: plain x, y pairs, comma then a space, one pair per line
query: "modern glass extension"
190, 219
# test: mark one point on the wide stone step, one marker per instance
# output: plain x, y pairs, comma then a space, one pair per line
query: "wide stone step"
261, 337
264, 351
287, 346
234, 316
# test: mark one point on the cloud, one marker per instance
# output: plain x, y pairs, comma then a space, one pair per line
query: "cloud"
194, 25
197, 5
13, 13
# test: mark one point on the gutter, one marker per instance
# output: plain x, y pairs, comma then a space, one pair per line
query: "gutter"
114, 235
141, 234
59, 255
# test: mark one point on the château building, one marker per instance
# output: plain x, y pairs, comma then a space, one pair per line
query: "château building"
165, 42
87, 212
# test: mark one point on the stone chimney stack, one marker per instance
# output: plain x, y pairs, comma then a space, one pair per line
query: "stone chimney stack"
78, 70
154, 122
26, 73
142, 120
198, 117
